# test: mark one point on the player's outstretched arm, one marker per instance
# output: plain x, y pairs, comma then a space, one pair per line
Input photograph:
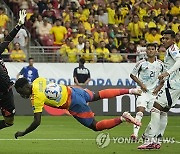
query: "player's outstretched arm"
32, 127
14, 31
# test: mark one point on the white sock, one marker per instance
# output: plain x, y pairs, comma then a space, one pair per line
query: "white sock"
153, 124
162, 124
139, 116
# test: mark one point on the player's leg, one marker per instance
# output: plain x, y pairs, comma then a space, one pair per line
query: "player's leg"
162, 124
110, 93
7, 109
166, 98
91, 123
82, 112
110, 123
143, 102
139, 116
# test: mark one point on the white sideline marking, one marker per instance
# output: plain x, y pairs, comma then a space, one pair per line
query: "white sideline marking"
60, 139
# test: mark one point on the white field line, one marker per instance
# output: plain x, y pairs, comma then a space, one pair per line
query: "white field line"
62, 139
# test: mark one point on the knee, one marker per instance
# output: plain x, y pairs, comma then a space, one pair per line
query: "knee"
93, 127
9, 121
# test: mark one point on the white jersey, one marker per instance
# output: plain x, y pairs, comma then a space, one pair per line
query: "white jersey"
172, 53
148, 72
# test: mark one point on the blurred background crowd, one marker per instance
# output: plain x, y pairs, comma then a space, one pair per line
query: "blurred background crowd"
97, 30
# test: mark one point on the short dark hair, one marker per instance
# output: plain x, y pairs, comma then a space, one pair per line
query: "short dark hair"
21, 82
31, 58
171, 32
82, 60
151, 45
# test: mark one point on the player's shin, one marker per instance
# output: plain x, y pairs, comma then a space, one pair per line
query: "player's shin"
162, 124
154, 124
136, 128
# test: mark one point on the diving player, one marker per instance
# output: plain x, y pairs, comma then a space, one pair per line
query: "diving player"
75, 100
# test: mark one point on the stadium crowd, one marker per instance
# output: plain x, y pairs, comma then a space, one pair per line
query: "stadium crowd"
97, 30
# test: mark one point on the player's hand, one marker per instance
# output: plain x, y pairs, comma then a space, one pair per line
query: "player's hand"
19, 134
163, 75
22, 16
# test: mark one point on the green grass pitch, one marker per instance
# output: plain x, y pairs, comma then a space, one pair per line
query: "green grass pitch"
64, 135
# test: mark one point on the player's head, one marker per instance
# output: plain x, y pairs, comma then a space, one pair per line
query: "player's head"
23, 87
81, 61
168, 38
31, 61
151, 50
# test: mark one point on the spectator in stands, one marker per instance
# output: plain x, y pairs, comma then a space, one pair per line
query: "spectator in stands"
72, 53
161, 52
161, 24
81, 74
131, 52
141, 50
174, 24
38, 23
63, 51
114, 56
88, 52
42, 5
123, 48
111, 13
103, 16
29, 72
74, 36
4, 18
111, 45
102, 52
153, 36
17, 54
69, 29
22, 38
50, 13
135, 29
25, 4
80, 44
43, 31
142, 8
174, 8
89, 24
59, 32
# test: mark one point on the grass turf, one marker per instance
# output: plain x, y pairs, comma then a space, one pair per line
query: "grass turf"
45, 140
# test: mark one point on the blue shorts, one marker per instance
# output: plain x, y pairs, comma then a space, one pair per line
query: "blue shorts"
79, 108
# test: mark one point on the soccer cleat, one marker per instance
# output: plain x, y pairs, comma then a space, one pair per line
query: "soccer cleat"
133, 138
128, 118
149, 146
135, 91
157, 146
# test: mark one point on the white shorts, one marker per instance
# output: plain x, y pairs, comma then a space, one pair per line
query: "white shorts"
168, 97
146, 100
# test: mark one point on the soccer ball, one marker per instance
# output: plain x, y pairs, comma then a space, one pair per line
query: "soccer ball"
53, 91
